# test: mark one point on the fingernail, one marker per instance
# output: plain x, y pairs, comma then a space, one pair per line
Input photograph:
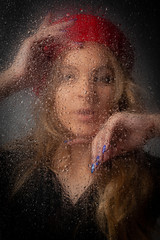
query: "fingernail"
66, 141
97, 159
73, 19
97, 163
79, 43
104, 149
92, 168
63, 30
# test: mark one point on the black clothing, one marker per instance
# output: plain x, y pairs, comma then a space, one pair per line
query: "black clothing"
42, 210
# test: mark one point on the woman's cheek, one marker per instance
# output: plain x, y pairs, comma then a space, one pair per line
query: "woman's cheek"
106, 96
59, 102
62, 105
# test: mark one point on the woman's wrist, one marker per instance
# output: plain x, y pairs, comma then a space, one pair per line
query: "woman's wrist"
8, 82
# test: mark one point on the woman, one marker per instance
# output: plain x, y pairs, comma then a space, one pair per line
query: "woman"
83, 174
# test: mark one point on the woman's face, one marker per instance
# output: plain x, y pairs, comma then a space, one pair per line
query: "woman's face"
84, 98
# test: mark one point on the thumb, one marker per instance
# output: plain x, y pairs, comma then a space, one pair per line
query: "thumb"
47, 20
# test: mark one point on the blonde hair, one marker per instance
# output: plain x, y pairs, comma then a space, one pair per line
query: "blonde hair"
123, 196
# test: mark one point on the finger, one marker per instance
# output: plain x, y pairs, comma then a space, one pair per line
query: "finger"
117, 146
105, 143
109, 153
98, 150
102, 143
117, 149
53, 31
58, 27
64, 24
49, 32
47, 20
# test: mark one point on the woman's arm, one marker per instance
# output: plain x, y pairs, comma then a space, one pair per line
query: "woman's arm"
124, 132
121, 133
8, 83
31, 61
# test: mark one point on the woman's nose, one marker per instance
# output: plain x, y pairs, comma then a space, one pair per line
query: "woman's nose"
86, 88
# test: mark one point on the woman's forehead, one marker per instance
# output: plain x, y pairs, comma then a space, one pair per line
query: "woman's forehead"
91, 55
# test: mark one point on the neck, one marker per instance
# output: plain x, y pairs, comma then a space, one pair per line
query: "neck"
81, 154
75, 157
72, 168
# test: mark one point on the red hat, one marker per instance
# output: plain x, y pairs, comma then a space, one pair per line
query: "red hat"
89, 28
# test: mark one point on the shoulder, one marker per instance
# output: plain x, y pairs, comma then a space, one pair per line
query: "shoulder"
12, 158
27, 187
17, 168
15, 153
150, 163
153, 166
143, 159
153, 163
146, 179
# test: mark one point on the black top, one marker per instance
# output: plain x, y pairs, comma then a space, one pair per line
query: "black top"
42, 209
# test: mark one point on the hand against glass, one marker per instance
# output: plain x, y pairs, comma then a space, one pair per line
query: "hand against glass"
121, 133
30, 63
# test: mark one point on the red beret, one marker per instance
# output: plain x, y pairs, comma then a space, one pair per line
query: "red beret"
90, 28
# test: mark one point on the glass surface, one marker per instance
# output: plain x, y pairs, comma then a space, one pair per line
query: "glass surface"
69, 97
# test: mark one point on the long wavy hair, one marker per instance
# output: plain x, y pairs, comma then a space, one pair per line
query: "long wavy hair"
125, 186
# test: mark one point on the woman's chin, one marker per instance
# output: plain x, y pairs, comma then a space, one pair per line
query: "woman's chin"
84, 133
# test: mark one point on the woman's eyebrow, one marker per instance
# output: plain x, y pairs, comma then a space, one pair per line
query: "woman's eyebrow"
104, 67
68, 67
94, 70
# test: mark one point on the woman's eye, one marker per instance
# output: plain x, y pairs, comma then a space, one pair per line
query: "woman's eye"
68, 76
106, 79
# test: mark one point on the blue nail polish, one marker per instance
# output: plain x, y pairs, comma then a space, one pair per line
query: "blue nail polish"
97, 163
92, 168
66, 141
63, 30
104, 149
73, 20
97, 158
79, 43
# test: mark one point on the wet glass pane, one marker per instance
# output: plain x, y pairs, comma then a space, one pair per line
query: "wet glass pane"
80, 120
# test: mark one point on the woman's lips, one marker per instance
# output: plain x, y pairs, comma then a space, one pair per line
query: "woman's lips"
85, 114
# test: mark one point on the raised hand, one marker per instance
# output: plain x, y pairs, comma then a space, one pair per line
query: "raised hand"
121, 133
31, 61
